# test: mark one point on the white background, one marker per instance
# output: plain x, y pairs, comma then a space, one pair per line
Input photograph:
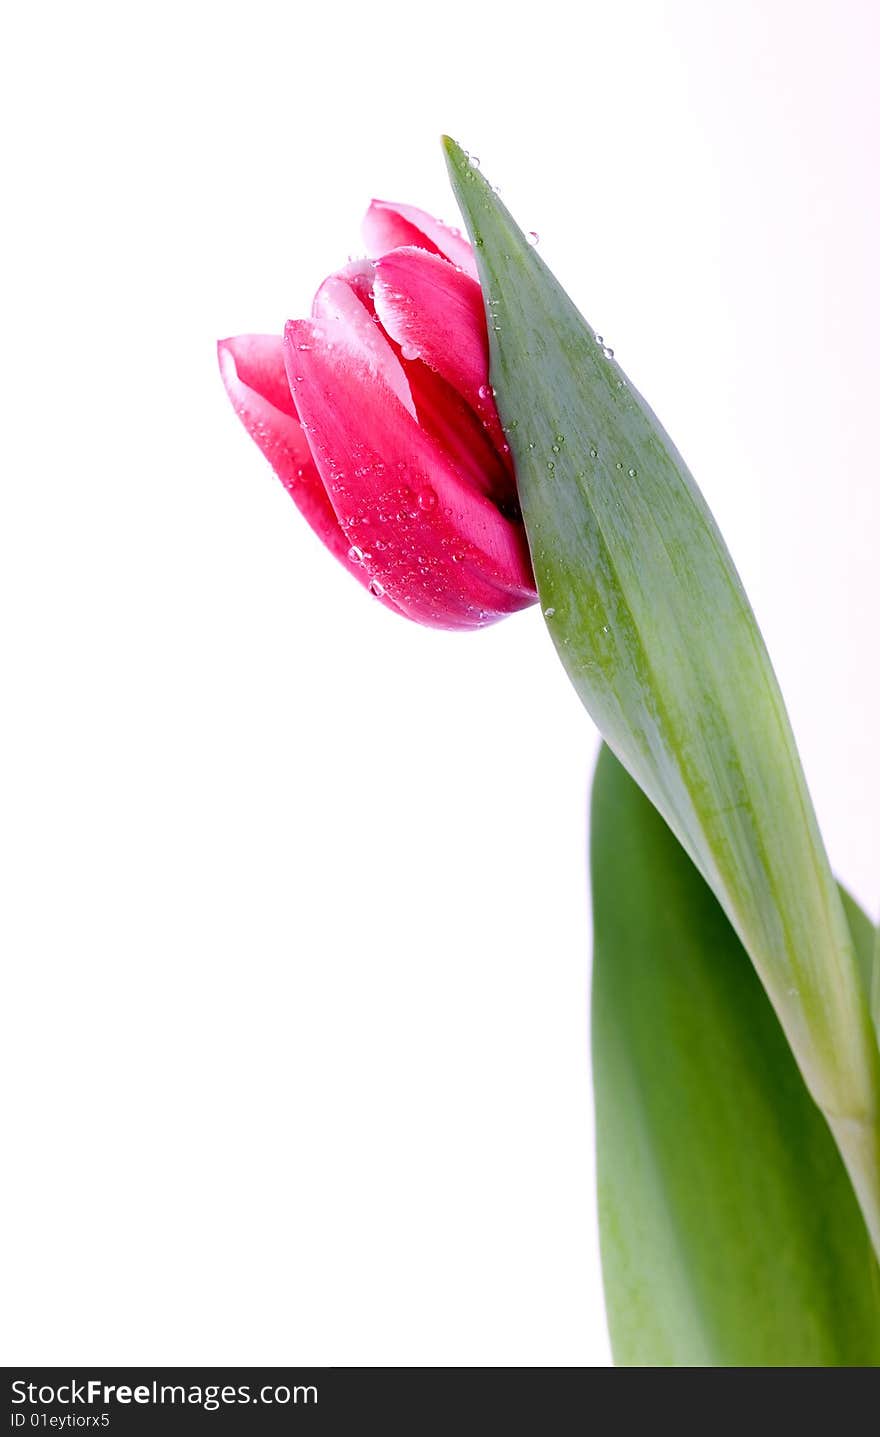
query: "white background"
297, 930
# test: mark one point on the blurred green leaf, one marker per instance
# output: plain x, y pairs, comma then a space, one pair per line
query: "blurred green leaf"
730, 1232
863, 936
652, 624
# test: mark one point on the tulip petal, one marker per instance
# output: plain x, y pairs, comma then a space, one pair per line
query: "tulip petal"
341, 306
442, 551
252, 368
387, 226
464, 438
435, 313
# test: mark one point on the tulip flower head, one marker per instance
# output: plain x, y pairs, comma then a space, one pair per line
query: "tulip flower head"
377, 415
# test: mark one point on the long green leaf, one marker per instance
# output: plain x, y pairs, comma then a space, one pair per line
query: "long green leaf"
653, 626
730, 1232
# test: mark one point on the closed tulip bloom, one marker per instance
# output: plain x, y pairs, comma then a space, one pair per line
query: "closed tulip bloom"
377, 415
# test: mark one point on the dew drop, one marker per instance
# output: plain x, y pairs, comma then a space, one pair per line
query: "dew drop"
548, 613
632, 473
619, 464
427, 500
555, 448
594, 454
356, 555
409, 351
607, 351
533, 237
376, 589
550, 465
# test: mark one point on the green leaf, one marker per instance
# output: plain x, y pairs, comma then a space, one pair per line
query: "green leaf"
863, 936
730, 1233
652, 624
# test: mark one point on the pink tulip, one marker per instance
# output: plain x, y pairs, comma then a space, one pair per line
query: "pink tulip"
378, 418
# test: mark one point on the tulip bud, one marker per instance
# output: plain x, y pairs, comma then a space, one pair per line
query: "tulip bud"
377, 415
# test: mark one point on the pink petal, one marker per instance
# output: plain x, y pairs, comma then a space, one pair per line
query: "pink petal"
464, 438
387, 226
348, 300
339, 304
252, 368
435, 313
443, 552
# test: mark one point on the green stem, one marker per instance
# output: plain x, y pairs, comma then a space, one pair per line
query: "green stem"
859, 1143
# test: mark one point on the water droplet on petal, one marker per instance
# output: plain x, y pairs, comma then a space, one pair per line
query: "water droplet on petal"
427, 500
356, 555
533, 237
376, 589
